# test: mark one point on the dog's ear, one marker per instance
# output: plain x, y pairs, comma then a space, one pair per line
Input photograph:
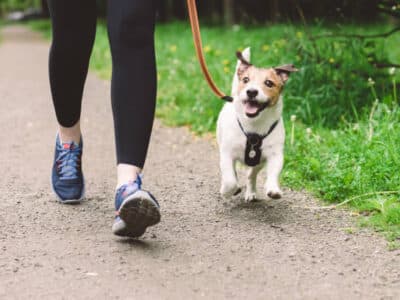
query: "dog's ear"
284, 71
240, 56
244, 64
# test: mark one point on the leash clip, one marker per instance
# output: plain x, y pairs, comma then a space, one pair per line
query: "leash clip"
227, 98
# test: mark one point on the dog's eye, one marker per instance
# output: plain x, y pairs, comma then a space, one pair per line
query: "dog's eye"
269, 83
246, 79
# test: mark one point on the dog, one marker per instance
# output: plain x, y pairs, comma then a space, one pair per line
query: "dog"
250, 129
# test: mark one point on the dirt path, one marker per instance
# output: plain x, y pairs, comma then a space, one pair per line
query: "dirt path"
202, 249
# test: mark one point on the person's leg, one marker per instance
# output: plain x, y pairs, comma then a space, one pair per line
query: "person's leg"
133, 92
74, 29
131, 34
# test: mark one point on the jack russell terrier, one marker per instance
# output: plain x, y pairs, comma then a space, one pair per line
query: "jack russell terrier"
250, 129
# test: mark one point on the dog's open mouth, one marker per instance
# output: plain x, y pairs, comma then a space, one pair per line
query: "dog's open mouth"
252, 107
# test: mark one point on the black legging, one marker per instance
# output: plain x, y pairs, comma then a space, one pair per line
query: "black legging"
134, 81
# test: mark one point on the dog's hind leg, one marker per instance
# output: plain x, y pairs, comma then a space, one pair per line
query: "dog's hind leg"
251, 184
229, 184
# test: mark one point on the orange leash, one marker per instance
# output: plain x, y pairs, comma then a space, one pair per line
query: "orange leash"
194, 22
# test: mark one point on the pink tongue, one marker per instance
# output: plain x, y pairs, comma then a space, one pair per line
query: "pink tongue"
250, 108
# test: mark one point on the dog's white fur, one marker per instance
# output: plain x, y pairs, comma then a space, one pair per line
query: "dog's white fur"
232, 142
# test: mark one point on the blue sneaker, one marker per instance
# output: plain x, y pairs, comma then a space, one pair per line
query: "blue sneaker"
136, 210
67, 178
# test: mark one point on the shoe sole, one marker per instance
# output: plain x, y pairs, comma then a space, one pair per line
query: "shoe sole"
137, 213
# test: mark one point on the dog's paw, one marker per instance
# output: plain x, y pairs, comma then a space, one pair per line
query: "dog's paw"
230, 189
250, 196
274, 193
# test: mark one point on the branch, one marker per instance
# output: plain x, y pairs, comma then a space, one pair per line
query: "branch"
359, 36
389, 12
385, 65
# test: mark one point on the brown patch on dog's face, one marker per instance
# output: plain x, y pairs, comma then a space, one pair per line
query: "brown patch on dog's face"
267, 80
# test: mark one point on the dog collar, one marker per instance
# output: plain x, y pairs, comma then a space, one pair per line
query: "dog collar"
254, 141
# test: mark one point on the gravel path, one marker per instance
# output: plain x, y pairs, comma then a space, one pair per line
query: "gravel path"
202, 249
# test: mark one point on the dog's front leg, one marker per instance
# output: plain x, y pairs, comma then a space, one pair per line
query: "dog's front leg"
274, 168
229, 185
251, 186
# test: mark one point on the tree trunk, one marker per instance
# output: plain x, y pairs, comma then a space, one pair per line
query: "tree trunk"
45, 8
164, 11
274, 10
169, 10
229, 17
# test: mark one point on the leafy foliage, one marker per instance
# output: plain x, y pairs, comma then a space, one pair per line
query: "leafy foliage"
6, 5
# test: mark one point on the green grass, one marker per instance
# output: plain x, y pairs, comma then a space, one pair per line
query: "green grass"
42, 26
350, 164
350, 155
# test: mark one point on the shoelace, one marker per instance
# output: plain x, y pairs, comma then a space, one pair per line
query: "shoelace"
68, 162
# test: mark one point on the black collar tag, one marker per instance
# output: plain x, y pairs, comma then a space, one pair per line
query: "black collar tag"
254, 141
252, 154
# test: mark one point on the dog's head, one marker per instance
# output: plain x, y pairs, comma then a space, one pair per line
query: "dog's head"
258, 88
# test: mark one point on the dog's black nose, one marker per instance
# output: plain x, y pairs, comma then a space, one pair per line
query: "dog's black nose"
252, 93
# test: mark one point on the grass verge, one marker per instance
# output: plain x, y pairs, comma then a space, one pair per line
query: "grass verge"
356, 164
